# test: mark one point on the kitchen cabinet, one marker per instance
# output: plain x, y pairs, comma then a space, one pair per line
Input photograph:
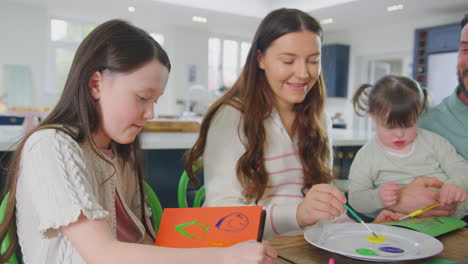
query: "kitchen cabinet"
432, 40
443, 38
335, 64
342, 159
162, 169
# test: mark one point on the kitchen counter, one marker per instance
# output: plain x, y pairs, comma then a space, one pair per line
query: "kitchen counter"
163, 156
341, 137
347, 137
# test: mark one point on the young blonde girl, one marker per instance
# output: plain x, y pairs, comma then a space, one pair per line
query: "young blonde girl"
75, 182
400, 152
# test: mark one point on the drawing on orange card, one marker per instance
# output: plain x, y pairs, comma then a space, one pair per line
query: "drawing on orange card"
194, 229
234, 222
208, 226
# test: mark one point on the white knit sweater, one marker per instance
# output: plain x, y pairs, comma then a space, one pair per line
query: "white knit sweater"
60, 179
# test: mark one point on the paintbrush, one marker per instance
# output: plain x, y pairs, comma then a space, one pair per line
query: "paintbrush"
420, 211
359, 219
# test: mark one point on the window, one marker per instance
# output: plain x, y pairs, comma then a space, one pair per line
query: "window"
158, 37
65, 37
226, 58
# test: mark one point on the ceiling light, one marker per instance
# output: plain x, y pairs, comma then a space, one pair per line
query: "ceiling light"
394, 8
326, 21
199, 19
131, 9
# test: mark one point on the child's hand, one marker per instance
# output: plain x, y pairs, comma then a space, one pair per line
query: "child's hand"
250, 252
322, 201
389, 194
387, 215
451, 193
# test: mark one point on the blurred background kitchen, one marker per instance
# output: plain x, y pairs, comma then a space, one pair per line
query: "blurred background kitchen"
207, 41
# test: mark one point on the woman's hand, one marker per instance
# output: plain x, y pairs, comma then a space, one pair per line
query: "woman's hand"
387, 215
451, 193
389, 194
249, 252
322, 201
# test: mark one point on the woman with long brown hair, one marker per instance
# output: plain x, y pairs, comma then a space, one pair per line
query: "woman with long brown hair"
267, 140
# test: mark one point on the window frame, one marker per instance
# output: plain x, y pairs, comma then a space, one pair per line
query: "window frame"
240, 63
52, 88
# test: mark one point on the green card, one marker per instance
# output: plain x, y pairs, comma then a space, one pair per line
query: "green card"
433, 226
439, 261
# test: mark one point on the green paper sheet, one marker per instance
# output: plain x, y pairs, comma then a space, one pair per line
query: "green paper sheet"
439, 261
433, 226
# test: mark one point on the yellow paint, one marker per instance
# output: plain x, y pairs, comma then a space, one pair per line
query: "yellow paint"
218, 243
376, 239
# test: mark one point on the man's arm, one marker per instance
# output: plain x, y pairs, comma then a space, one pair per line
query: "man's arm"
418, 194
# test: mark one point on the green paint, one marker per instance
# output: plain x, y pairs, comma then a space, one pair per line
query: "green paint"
366, 252
202, 227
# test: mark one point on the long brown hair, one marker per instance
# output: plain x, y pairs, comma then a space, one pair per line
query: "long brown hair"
118, 47
396, 101
253, 97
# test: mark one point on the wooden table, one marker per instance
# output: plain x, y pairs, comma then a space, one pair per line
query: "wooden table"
295, 249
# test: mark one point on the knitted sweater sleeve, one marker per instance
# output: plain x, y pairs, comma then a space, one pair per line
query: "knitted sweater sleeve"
223, 149
53, 171
363, 194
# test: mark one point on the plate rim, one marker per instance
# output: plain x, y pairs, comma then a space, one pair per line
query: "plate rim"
373, 258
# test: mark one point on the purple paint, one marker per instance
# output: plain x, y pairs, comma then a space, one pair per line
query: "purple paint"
391, 249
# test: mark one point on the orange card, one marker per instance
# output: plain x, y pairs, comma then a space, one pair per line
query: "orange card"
210, 226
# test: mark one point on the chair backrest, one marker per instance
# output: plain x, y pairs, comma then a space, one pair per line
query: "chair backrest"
182, 192
155, 205
7, 241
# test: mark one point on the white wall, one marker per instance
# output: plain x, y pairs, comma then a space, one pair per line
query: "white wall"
189, 47
257, 8
23, 32
378, 41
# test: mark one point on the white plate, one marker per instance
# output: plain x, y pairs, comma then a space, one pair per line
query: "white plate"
346, 238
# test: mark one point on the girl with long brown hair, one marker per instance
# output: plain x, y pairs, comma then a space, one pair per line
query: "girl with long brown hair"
75, 182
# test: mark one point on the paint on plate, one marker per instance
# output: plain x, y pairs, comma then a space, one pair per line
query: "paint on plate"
366, 252
391, 249
376, 239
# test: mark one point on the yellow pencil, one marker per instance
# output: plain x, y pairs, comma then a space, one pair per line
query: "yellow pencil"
420, 211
